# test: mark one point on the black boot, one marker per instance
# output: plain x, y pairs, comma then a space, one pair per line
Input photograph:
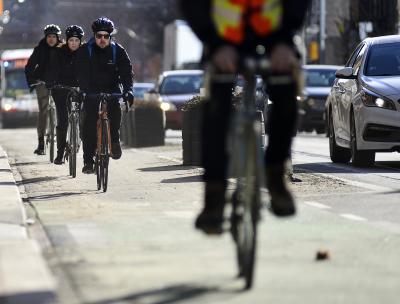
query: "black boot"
211, 219
282, 202
61, 143
40, 149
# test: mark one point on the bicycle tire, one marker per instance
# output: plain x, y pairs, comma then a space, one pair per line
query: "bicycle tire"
105, 154
97, 169
52, 126
245, 214
73, 148
68, 147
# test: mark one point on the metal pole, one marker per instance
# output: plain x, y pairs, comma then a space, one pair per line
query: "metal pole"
322, 35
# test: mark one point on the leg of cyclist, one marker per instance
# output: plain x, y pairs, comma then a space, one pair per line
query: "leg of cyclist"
60, 99
43, 101
114, 115
89, 134
214, 156
281, 125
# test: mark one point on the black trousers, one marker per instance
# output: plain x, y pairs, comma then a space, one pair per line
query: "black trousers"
89, 131
60, 99
216, 122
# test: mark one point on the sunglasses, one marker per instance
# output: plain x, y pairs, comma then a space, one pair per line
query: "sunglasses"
105, 36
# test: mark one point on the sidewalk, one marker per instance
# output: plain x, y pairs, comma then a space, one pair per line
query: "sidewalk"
24, 275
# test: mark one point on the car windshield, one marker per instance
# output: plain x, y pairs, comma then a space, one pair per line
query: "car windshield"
320, 78
15, 82
383, 60
181, 84
139, 91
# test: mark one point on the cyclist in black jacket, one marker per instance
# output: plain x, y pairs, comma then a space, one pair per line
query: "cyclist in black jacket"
231, 30
42, 67
67, 77
102, 66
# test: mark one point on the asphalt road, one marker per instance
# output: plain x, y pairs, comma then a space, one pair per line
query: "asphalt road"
136, 243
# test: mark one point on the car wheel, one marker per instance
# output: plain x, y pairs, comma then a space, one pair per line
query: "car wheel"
360, 158
338, 154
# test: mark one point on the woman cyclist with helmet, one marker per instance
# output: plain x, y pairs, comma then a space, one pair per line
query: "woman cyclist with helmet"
67, 77
42, 68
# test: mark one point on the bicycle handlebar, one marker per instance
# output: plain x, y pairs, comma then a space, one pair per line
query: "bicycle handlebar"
109, 96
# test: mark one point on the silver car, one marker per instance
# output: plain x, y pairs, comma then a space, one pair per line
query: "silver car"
363, 107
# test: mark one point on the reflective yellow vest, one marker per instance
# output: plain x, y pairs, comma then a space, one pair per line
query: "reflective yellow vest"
264, 17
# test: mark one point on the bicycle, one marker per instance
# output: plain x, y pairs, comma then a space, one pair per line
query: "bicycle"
103, 148
50, 123
246, 164
73, 139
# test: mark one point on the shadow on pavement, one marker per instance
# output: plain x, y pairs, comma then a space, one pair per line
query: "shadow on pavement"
185, 179
173, 294
38, 180
5, 170
7, 183
379, 167
45, 197
30, 163
165, 168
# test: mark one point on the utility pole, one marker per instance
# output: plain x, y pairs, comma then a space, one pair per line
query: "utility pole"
322, 30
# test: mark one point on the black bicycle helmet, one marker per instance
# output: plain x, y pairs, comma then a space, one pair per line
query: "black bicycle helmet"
103, 24
52, 29
74, 31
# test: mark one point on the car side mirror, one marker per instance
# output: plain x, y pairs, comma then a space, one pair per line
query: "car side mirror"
345, 73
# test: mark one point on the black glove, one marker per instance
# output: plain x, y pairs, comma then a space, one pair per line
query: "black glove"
31, 88
129, 97
81, 96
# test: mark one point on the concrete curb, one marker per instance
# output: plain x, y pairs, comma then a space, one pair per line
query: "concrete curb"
24, 275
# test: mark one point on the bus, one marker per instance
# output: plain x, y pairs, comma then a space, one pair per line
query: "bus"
19, 107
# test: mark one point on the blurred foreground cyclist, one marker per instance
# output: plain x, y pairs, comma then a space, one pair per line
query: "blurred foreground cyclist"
42, 68
232, 30
67, 77
103, 66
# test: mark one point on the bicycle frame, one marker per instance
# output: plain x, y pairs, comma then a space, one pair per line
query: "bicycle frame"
103, 117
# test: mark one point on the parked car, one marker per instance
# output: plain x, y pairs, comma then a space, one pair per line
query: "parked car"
174, 88
318, 82
363, 105
140, 88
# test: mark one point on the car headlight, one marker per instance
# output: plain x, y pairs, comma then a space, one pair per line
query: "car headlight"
167, 106
301, 97
375, 101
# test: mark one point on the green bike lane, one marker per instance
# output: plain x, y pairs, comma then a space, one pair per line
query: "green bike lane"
136, 243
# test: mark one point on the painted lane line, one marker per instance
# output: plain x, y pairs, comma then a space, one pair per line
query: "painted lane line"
317, 205
353, 217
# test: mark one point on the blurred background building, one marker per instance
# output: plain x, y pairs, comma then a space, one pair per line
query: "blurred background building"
141, 23
347, 22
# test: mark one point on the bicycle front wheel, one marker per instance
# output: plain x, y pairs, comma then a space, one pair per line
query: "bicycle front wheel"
51, 134
73, 144
246, 202
97, 165
105, 154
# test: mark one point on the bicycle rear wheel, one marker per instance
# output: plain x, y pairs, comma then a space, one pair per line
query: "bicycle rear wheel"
105, 154
51, 134
245, 214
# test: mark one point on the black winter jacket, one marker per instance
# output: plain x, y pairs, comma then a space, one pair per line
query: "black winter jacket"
43, 63
98, 73
67, 64
199, 17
